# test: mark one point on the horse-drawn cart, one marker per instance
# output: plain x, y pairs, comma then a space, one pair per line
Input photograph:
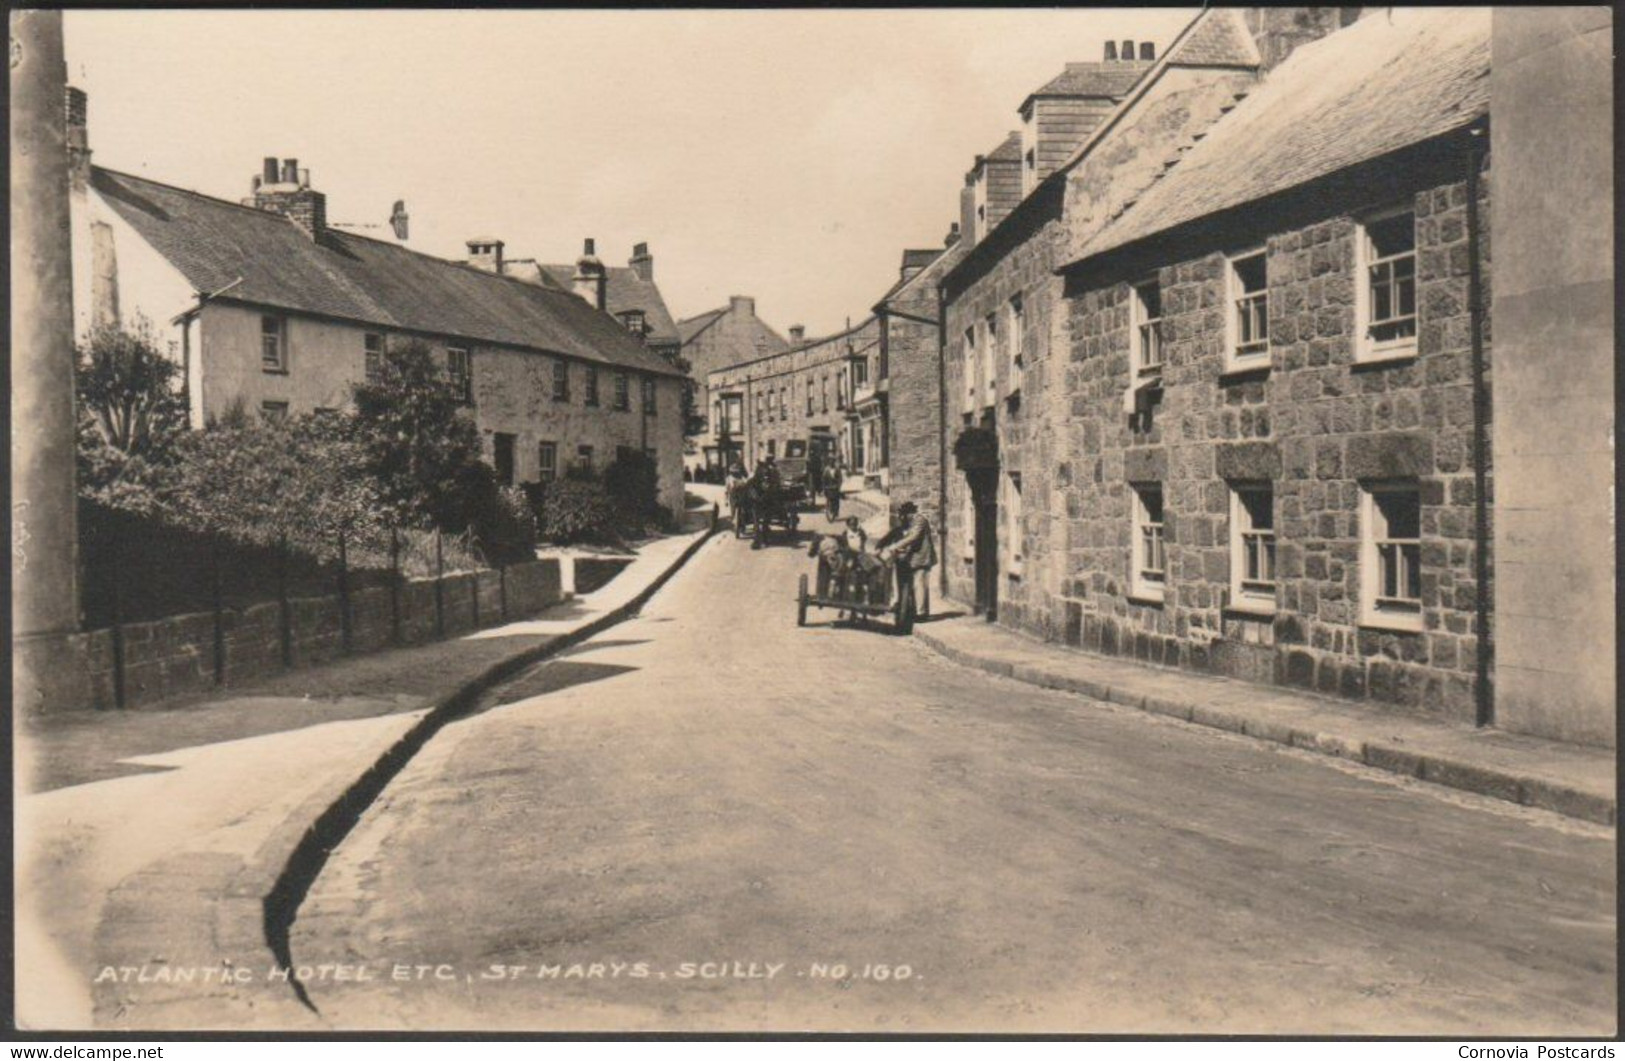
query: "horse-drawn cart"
857, 593
757, 509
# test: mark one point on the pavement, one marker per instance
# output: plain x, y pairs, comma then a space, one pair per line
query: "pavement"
1568, 779
709, 819
148, 840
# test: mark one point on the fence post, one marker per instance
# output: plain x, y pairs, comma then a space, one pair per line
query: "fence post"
118, 618
439, 587
285, 621
502, 587
217, 595
474, 595
344, 593
394, 585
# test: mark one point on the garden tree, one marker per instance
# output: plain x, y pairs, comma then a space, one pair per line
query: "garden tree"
131, 412
129, 389
421, 449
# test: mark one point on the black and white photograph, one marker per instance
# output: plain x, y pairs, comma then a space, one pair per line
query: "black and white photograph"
803, 522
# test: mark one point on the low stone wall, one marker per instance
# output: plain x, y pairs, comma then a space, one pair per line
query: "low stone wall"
175, 657
593, 572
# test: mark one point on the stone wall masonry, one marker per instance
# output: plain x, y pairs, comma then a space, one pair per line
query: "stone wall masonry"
1316, 425
174, 657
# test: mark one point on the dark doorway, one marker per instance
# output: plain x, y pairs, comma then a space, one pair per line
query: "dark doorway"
503, 447
985, 500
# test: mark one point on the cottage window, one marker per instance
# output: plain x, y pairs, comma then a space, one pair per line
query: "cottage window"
502, 450
1387, 248
623, 392
809, 398
634, 320
1014, 337
584, 458
1149, 564
860, 372
1391, 555
991, 355
547, 461
648, 397
590, 391
972, 368
824, 391
784, 403
561, 381
1147, 309
760, 406
274, 343
373, 344
1249, 345
274, 410
460, 373
1252, 547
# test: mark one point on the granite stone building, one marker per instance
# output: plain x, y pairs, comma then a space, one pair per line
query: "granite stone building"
807, 392
270, 309
1220, 387
716, 339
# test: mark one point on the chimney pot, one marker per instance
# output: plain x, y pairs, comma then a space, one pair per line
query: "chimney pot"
587, 250
642, 262
290, 171
745, 304
1148, 51
270, 171
398, 218
1111, 51
798, 332
1126, 50
953, 235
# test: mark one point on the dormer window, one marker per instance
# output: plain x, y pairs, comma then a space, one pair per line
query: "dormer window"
634, 321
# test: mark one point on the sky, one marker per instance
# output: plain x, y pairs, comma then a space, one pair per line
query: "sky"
786, 154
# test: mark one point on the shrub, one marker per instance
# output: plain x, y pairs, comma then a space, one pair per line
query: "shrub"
506, 532
572, 510
634, 488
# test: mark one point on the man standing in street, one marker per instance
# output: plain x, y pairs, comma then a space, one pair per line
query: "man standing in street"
911, 546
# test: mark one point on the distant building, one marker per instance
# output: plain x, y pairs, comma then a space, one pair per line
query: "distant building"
718, 339
800, 395
270, 309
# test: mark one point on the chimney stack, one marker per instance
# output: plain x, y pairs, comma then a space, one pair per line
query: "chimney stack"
78, 139
798, 333
291, 196
745, 304
590, 277
642, 262
1148, 51
1111, 51
398, 219
953, 235
486, 254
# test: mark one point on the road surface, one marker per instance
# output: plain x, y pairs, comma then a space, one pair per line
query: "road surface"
709, 819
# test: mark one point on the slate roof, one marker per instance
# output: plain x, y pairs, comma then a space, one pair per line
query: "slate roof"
1382, 84
922, 285
689, 327
1009, 149
919, 259
625, 290
1109, 80
264, 259
1217, 41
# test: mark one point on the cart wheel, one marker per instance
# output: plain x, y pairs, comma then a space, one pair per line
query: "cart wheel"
801, 603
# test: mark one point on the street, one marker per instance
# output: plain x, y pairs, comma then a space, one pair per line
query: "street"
707, 818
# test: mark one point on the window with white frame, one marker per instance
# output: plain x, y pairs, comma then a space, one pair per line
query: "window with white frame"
584, 458
1387, 291
990, 359
1015, 336
1149, 574
1011, 537
1252, 547
972, 368
373, 356
460, 373
1391, 554
590, 390
274, 343
1147, 311
274, 410
547, 461
1248, 280
561, 381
